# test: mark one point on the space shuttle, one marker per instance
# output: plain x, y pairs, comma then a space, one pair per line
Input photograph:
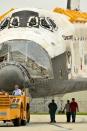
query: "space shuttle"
37, 52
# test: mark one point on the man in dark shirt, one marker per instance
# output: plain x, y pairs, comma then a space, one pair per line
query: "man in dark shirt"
73, 109
52, 110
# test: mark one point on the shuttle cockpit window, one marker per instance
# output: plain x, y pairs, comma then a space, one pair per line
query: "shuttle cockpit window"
44, 23
33, 21
24, 19
14, 22
48, 23
52, 23
4, 24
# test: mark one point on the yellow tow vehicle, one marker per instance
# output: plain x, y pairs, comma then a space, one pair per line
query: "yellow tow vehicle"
14, 108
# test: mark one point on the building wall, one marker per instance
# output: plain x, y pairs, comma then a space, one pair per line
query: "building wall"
81, 98
40, 105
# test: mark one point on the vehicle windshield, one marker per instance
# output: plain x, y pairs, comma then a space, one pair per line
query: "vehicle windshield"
28, 19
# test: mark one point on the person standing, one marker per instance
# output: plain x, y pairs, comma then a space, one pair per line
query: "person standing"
73, 109
52, 110
67, 109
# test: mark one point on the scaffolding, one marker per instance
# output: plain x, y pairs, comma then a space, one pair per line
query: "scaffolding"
74, 16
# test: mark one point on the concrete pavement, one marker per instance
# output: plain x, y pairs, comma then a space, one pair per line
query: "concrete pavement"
41, 123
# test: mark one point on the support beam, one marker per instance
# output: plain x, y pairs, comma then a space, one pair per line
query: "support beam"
73, 4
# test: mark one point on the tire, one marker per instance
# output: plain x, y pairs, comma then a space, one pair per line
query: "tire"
17, 122
23, 122
28, 113
28, 118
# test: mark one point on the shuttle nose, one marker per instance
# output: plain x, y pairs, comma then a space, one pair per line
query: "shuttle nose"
11, 75
30, 54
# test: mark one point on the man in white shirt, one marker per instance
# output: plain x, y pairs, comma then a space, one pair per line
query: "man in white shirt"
67, 108
17, 91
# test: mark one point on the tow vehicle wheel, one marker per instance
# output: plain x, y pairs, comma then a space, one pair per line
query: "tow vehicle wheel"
28, 113
28, 117
23, 122
17, 122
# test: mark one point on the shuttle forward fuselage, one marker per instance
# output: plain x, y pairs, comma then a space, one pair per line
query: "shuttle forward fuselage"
35, 54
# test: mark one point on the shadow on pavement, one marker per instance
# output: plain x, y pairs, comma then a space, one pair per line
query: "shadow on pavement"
33, 124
